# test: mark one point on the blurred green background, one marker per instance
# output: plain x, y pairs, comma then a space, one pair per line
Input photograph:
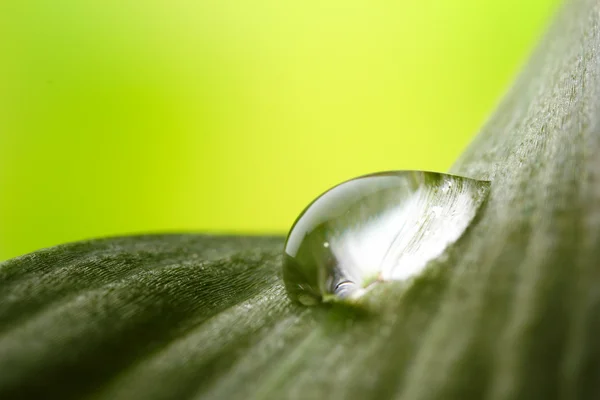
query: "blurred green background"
121, 117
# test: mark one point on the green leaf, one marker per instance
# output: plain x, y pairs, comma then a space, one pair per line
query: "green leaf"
513, 311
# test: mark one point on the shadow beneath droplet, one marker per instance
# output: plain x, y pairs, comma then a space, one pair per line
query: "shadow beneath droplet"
341, 315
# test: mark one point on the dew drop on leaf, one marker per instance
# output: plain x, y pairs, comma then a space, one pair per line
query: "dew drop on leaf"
378, 227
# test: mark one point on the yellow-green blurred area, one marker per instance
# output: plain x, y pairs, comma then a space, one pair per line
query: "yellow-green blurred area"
121, 117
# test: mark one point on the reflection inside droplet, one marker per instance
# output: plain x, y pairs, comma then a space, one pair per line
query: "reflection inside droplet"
345, 289
378, 227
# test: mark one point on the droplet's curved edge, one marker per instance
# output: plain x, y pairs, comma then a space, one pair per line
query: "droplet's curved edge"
354, 299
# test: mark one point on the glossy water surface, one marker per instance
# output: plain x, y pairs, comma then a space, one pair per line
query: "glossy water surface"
378, 227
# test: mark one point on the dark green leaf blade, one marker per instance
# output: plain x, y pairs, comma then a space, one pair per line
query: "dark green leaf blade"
105, 303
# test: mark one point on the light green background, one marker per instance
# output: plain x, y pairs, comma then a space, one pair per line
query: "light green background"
121, 117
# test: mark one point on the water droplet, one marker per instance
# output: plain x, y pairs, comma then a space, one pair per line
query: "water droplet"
378, 227
446, 185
